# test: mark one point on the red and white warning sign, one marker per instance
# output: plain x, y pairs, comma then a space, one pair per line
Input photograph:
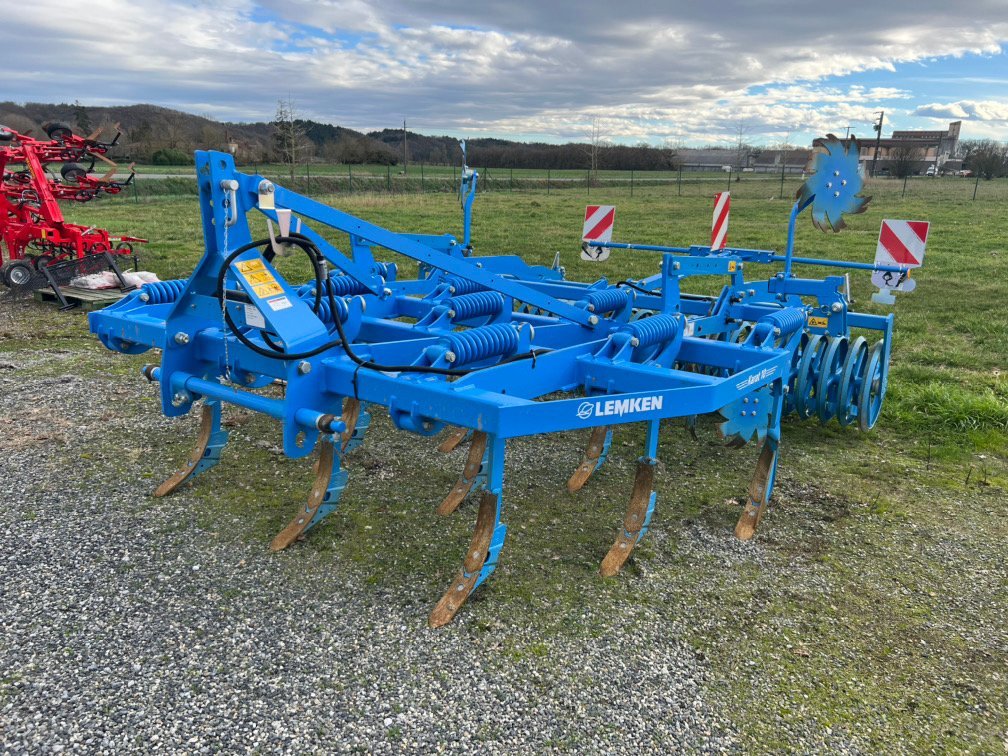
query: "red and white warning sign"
598, 227
719, 224
901, 243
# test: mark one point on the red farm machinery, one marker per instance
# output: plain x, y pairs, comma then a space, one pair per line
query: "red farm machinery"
40, 248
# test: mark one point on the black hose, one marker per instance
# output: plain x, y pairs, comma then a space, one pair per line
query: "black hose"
275, 351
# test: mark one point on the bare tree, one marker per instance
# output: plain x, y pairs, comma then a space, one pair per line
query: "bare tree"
595, 143
289, 134
985, 157
904, 159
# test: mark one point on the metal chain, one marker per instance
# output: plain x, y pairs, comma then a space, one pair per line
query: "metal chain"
224, 328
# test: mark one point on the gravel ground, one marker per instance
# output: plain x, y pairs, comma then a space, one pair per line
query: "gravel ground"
126, 626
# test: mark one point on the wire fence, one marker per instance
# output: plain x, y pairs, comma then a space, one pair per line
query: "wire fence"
687, 181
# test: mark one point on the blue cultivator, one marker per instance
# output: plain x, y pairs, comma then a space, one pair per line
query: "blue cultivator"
491, 346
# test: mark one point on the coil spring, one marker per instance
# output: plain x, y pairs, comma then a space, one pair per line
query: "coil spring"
305, 292
474, 305
788, 320
163, 292
654, 330
461, 285
483, 342
607, 300
386, 270
343, 286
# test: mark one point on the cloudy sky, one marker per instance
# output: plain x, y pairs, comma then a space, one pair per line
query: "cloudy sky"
651, 70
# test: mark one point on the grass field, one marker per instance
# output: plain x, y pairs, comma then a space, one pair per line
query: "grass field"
872, 603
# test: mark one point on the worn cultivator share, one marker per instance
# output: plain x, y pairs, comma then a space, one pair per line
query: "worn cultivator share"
41, 247
492, 349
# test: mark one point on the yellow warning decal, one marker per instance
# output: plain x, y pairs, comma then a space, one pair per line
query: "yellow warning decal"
264, 290
261, 277
251, 266
731, 266
815, 322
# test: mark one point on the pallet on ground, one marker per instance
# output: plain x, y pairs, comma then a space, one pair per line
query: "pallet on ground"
86, 299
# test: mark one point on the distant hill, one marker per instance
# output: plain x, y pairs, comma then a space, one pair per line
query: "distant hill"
155, 134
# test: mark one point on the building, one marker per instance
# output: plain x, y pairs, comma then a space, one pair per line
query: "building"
915, 151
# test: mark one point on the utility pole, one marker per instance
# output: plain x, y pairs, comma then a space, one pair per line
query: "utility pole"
878, 138
405, 159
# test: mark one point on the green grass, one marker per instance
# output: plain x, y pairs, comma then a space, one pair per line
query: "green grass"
877, 608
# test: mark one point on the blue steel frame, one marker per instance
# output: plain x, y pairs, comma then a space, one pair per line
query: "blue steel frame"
617, 355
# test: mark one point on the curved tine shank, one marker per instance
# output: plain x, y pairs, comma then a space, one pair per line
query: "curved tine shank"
590, 461
452, 440
306, 514
351, 413
479, 548
469, 474
209, 426
633, 522
759, 493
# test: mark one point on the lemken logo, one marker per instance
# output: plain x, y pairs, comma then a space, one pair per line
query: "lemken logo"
755, 378
619, 407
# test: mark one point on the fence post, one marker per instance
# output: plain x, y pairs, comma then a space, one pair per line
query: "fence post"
729, 178
588, 181
631, 182
547, 182
349, 170
136, 198
388, 177
307, 167
976, 185
904, 186
421, 179
680, 179
782, 180
511, 181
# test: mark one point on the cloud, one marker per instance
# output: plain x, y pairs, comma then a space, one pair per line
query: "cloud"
986, 110
652, 69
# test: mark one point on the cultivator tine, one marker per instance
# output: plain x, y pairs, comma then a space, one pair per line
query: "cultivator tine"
205, 454
759, 491
455, 437
472, 565
471, 474
330, 480
594, 456
638, 515
351, 413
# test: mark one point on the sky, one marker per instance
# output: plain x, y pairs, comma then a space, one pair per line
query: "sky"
665, 72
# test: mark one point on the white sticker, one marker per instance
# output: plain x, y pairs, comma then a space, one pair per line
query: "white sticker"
690, 326
280, 303
253, 317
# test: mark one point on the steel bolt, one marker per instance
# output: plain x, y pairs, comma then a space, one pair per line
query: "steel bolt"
386, 293
249, 378
676, 266
266, 187
450, 357
593, 320
144, 296
634, 341
180, 398
837, 307
181, 337
304, 367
